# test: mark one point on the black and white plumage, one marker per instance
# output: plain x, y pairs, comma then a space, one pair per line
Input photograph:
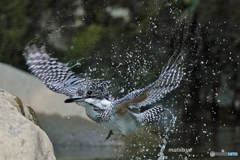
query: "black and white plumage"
57, 76
169, 79
115, 115
152, 114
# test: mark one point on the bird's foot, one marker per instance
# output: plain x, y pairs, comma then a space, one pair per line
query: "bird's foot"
114, 139
109, 135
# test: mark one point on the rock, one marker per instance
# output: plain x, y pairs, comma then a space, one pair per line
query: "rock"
20, 138
24, 109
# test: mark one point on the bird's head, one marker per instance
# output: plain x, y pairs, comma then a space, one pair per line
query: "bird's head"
95, 90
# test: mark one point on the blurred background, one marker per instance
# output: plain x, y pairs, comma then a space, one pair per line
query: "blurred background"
128, 42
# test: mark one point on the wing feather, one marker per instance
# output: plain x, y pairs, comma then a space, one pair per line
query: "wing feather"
169, 79
55, 75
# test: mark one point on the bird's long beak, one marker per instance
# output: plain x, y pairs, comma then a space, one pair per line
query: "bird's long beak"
74, 99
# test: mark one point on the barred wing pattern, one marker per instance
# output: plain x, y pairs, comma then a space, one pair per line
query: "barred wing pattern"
169, 79
152, 114
55, 75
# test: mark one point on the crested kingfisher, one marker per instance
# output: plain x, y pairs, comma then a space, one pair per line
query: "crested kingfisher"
122, 115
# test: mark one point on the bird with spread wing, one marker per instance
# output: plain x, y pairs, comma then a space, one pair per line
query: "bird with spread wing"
119, 116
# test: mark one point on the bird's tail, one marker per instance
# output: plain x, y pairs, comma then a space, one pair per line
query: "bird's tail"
151, 115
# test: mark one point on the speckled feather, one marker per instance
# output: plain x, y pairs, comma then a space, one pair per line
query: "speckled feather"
169, 79
151, 115
55, 75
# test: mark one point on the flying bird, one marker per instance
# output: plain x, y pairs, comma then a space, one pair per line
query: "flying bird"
121, 115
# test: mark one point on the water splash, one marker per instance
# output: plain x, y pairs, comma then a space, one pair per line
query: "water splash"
166, 135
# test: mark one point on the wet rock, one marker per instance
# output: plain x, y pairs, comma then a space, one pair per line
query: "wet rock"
20, 137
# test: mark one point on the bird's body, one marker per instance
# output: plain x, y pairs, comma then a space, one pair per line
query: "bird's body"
122, 115
117, 121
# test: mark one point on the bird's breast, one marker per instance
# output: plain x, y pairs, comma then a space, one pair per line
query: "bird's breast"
124, 124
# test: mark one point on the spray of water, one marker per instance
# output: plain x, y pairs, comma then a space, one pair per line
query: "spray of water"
166, 134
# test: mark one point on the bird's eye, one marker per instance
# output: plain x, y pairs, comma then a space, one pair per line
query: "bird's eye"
89, 92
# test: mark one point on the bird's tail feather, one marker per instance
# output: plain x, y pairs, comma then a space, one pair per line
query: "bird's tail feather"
151, 115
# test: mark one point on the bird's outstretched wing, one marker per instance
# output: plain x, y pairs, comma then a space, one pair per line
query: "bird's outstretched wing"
169, 79
55, 75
